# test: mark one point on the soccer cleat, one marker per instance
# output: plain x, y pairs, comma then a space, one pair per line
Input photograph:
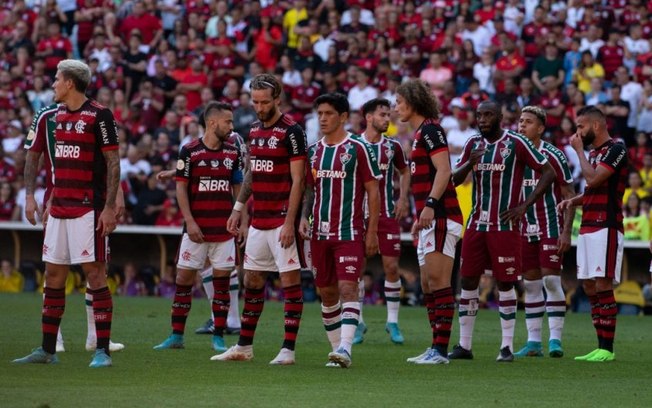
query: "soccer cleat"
531, 349
460, 353
332, 364
235, 353
554, 348
38, 356
341, 357
601, 356
206, 328
359, 333
218, 343
419, 357
60, 348
101, 359
284, 357
91, 345
394, 333
505, 355
587, 356
232, 330
433, 357
175, 341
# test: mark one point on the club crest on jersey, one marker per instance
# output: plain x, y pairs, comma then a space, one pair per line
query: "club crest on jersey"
228, 163
345, 157
181, 164
261, 142
79, 126
389, 152
215, 163
68, 126
272, 142
505, 152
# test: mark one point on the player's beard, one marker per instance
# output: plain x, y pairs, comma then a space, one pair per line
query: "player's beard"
589, 137
380, 129
267, 116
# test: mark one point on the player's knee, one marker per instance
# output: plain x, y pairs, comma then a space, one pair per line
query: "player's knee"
254, 279
348, 291
551, 283
504, 286
470, 282
603, 285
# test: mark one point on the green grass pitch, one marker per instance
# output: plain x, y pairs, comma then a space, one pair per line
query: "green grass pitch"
379, 376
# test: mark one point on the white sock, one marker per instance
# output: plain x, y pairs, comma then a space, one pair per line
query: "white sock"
91, 336
555, 305
233, 318
507, 309
361, 298
207, 282
331, 316
468, 310
350, 316
59, 336
393, 298
534, 308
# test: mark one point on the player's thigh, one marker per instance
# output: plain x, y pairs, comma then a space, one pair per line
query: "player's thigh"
55, 242
505, 251
389, 237
258, 254
348, 257
221, 256
86, 243
286, 259
323, 264
192, 255
604, 254
549, 258
530, 259
475, 258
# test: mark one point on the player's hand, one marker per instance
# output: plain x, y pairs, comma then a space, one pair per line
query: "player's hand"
165, 175
563, 243
304, 229
564, 205
107, 221
233, 222
243, 233
425, 218
414, 231
46, 212
576, 142
371, 244
31, 208
477, 154
194, 232
401, 208
286, 237
513, 214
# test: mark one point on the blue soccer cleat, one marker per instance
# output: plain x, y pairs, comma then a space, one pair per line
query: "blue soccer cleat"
394, 333
218, 343
359, 333
531, 349
101, 359
554, 348
175, 341
38, 356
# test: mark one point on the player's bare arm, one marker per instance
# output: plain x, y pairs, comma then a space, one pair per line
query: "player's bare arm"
193, 230
298, 174
31, 167
236, 215
241, 236
165, 175
373, 201
107, 221
460, 173
593, 177
564, 242
547, 178
402, 206
308, 202
441, 161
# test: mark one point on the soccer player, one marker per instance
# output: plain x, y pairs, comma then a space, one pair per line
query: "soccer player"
342, 168
600, 243
276, 179
492, 240
82, 208
439, 223
209, 175
545, 236
41, 139
391, 160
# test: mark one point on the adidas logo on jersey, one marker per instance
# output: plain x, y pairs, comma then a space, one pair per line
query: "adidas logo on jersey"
201, 164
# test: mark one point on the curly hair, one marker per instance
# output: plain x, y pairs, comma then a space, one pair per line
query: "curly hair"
536, 111
419, 97
267, 81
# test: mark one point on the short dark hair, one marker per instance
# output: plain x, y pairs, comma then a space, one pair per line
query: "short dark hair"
336, 100
211, 107
591, 111
419, 96
536, 111
267, 81
371, 105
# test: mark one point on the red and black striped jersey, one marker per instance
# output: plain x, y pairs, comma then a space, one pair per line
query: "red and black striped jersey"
80, 173
210, 176
428, 141
271, 151
602, 206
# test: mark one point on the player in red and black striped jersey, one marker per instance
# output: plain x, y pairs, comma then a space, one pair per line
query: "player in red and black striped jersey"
275, 181
439, 219
209, 174
600, 242
83, 208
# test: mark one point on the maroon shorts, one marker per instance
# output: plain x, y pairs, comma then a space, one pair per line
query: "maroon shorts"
541, 254
389, 237
334, 261
495, 251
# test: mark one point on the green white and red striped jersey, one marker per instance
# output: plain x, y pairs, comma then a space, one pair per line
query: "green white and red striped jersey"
390, 157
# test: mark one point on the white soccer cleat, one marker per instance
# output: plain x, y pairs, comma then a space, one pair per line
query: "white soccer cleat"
433, 357
332, 364
91, 345
60, 347
235, 353
419, 357
284, 357
340, 357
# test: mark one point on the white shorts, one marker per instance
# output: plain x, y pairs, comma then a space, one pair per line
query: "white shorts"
600, 254
438, 238
263, 252
70, 241
192, 255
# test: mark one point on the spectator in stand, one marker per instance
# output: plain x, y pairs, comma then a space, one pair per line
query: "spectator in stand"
11, 281
611, 55
146, 23
192, 83
635, 45
292, 24
572, 60
637, 153
510, 65
149, 103
171, 126
474, 96
646, 172
54, 48
527, 96
588, 69
435, 74
87, 13
267, 41
636, 187
636, 220
597, 95
362, 91
483, 72
478, 34
7, 201
457, 137
632, 92
592, 41
548, 66
645, 118
170, 216
134, 61
534, 34
304, 95
508, 95
617, 112
244, 115
305, 57
150, 202
132, 285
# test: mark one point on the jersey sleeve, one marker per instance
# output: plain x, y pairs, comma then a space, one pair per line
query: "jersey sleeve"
526, 152
296, 142
615, 158
37, 135
560, 164
237, 175
183, 165
367, 163
469, 146
106, 130
434, 139
400, 161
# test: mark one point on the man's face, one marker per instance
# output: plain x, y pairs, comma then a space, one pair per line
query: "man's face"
60, 87
404, 111
530, 126
264, 104
488, 119
222, 124
329, 119
379, 119
586, 130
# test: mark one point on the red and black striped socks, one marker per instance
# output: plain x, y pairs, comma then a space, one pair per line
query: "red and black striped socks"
103, 314
220, 304
444, 312
254, 301
608, 313
54, 304
293, 308
180, 308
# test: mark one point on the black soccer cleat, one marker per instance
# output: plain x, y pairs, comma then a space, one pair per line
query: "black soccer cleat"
460, 353
505, 355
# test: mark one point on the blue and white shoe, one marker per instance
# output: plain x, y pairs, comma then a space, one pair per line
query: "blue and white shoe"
359, 333
419, 357
394, 333
218, 343
433, 357
101, 359
38, 356
175, 341
341, 357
